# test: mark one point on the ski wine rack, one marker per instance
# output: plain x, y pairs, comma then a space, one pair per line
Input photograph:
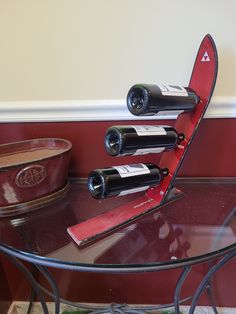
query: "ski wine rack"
191, 103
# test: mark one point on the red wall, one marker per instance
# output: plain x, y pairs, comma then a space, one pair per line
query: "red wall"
212, 153
5, 295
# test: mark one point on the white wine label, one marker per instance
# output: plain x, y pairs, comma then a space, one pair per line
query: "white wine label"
173, 90
146, 151
143, 130
130, 191
132, 170
169, 113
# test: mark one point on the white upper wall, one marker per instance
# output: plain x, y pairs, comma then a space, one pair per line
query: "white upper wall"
87, 49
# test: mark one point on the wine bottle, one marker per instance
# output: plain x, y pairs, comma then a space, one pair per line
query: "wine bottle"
147, 99
122, 140
125, 179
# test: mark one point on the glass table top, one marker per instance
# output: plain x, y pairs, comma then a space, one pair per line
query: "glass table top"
198, 226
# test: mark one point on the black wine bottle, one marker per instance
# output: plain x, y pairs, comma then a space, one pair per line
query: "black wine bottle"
126, 179
147, 99
122, 140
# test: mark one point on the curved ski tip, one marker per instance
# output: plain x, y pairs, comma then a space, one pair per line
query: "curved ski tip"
211, 40
209, 36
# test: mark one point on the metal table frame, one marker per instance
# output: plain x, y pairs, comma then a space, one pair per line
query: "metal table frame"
216, 261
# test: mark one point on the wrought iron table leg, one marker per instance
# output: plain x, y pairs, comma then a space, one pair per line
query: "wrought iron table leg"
32, 294
210, 296
31, 280
113, 308
43, 270
179, 285
31, 301
116, 308
208, 277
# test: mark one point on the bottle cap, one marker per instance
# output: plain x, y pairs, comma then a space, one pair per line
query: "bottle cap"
165, 172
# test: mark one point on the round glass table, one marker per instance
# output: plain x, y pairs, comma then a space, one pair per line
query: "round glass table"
199, 226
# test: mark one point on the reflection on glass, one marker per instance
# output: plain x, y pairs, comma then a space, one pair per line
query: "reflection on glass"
189, 228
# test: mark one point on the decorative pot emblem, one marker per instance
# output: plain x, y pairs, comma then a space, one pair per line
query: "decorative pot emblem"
30, 176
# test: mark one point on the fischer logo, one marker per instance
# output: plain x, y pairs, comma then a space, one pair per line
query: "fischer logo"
205, 57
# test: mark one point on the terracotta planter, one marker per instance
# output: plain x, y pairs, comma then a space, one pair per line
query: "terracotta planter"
32, 173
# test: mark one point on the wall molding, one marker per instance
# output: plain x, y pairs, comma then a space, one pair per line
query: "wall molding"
95, 110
